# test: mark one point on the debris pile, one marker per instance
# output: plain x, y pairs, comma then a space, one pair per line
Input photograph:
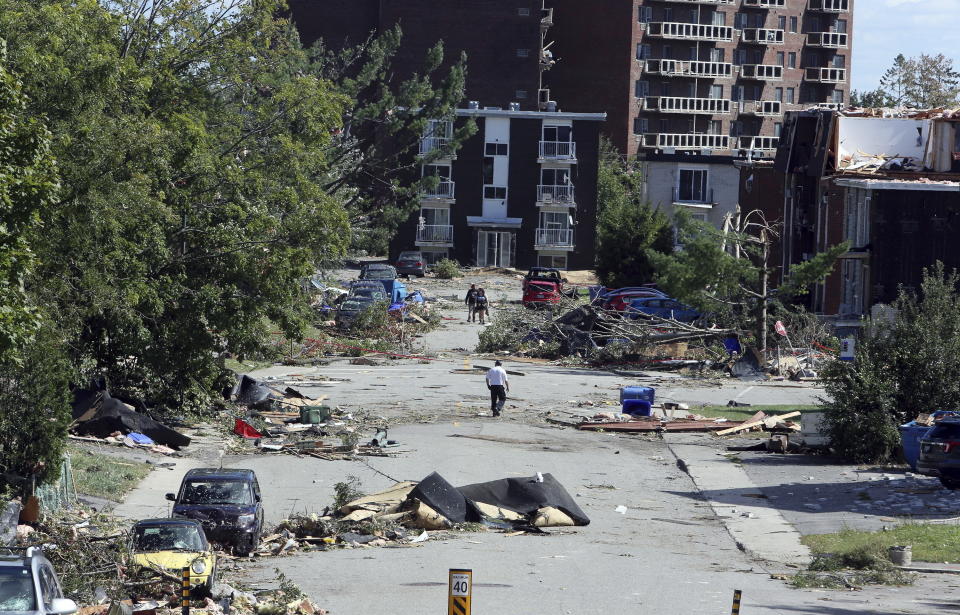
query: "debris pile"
98, 415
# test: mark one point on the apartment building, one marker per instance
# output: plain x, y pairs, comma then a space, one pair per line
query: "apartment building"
522, 191
692, 85
506, 41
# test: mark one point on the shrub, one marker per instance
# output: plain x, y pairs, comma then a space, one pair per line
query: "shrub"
446, 269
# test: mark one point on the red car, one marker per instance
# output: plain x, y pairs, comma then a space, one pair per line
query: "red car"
542, 286
620, 300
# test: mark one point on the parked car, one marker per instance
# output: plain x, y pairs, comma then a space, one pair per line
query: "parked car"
28, 584
411, 263
662, 308
350, 309
175, 544
377, 271
227, 503
940, 453
618, 299
542, 286
375, 294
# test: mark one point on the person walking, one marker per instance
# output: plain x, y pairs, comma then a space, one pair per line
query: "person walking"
480, 304
498, 384
471, 300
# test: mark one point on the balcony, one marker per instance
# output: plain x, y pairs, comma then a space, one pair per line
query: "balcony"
685, 141
828, 40
765, 4
830, 6
435, 234
546, 18
562, 195
761, 72
682, 68
763, 108
825, 75
689, 31
759, 144
442, 191
558, 150
714, 2
679, 104
693, 195
554, 238
762, 36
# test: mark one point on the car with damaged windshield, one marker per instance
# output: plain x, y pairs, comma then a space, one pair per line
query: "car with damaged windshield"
172, 545
350, 310
940, 452
228, 504
29, 585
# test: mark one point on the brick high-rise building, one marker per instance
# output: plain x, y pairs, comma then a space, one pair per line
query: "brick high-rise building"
690, 85
504, 40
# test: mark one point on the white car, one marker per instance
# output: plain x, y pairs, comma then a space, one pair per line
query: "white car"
28, 584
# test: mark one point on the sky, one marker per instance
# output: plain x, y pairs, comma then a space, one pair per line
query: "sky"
884, 28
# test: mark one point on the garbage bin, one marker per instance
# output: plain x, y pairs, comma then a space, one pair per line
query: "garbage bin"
910, 434
314, 414
637, 392
637, 407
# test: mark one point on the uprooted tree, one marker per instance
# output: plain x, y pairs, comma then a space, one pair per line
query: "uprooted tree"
903, 367
726, 273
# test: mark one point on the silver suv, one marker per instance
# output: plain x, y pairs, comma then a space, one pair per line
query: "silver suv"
28, 584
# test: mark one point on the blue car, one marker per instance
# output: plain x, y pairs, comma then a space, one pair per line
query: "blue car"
662, 307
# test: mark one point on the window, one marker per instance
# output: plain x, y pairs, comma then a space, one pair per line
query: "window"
739, 56
813, 59
694, 54
557, 220
487, 170
437, 170
715, 127
562, 134
757, 56
640, 125
691, 90
717, 55
778, 94
555, 177
782, 22
496, 149
692, 186
665, 88
641, 88
757, 92
780, 58
523, 53
716, 91
495, 192
435, 216
718, 19
740, 21
793, 23
668, 14
792, 59
520, 94
645, 14
666, 52
839, 61
643, 51
840, 25
523, 12
736, 128
691, 125
664, 125
552, 261
836, 96
791, 95
432, 257
777, 129
736, 93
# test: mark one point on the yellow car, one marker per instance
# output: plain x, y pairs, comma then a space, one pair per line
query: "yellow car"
175, 544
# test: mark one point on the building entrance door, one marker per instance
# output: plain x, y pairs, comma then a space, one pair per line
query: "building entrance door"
493, 248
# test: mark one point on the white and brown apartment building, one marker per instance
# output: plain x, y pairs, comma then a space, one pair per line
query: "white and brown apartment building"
689, 86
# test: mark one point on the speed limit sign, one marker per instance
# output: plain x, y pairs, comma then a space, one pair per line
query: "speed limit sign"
460, 590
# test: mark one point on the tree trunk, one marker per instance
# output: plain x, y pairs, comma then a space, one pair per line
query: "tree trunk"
764, 279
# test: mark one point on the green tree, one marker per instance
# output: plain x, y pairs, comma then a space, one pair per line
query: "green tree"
28, 184
873, 98
193, 152
377, 158
727, 272
627, 227
923, 82
897, 80
903, 367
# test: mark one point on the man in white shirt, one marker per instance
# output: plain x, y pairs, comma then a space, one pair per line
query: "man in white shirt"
499, 385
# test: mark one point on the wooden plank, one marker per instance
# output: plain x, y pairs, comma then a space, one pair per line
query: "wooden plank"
749, 424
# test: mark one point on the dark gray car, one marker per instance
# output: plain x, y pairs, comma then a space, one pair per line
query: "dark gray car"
350, 309
378, 272
940, 453
28, 584
411, 263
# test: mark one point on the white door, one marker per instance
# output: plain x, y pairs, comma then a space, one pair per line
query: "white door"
493, 249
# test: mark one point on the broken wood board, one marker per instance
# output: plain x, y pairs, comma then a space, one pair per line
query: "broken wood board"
757, 423
653, 426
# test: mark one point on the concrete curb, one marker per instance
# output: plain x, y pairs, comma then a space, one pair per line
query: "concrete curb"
759, 531
932, 570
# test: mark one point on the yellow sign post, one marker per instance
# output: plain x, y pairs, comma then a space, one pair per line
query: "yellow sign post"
460, 590
185, 592
736, 602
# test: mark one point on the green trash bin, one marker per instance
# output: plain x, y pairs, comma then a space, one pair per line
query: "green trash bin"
314, 414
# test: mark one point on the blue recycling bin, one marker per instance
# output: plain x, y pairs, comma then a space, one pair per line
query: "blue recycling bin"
637, 392
637, 407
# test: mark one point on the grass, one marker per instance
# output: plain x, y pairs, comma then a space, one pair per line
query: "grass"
931, 543
742, 413
105, 476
